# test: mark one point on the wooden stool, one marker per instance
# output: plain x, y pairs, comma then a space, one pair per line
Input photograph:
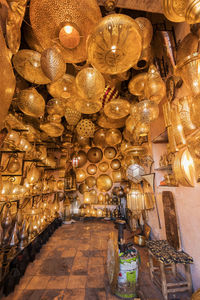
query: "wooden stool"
163, 272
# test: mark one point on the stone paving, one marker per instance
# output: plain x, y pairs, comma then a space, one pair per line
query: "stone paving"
72, 266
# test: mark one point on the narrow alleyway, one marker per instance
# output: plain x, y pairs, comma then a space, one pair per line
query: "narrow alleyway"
72, 266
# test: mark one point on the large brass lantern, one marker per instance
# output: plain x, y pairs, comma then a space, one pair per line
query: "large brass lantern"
90, 84
115, 45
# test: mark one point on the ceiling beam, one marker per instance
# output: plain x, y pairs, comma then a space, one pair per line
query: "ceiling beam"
154, 6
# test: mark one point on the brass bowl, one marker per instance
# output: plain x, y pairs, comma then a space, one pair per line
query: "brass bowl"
117, 176
103, 166
188, 70
95, 155
83, 187
92, 169
137, 83
85, 128
27, 64
104, 183
82, 158
115, 164
110, 152
90, 181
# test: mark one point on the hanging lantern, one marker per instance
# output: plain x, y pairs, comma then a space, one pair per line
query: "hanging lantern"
142, 129
134, 173
148, 110
131, 123
189, 70
137, 84
72, 116
117, 54
87, 107
99, 138
27, 64
52, 64
69, 24
146, 31
52, 129
69, 36
85, 128
117, 109
90, 84
187, 46
155, 89
135, 199
175, 10
113, 137
109, 94
63, 88
31, 103
184, 113
55, 106
107, 122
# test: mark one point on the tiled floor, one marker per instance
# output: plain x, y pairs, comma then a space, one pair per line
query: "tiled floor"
72, 266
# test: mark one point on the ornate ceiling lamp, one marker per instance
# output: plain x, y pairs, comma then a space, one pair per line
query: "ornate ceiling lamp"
146, 30
106, 122
31, 103
90, 84
155, 89
52, 129
113, 137
115, 44
189, 70
147, 110
85, 128
67, 25
27, 64
117, 109
72, 116
137, 84
14, 20
7, 80
52, 64
99, 138
62, 88
55, 106
87, 107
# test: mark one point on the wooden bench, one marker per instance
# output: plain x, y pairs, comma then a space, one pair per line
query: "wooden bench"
163, 261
